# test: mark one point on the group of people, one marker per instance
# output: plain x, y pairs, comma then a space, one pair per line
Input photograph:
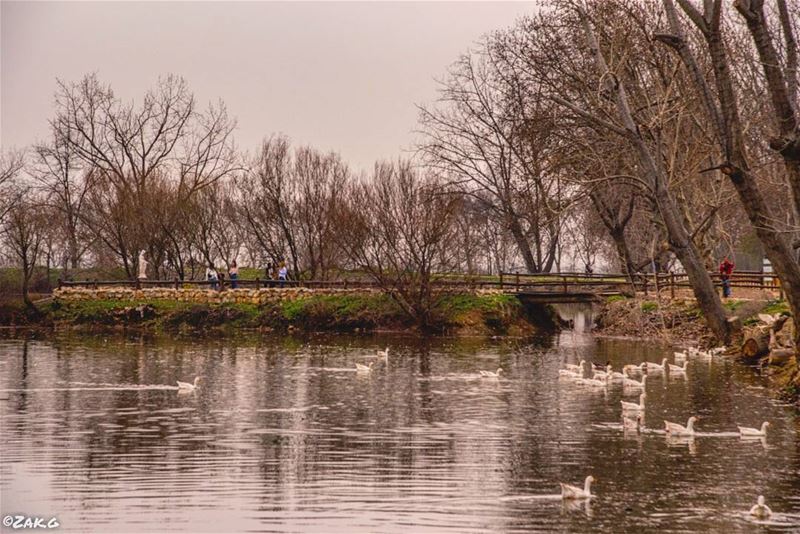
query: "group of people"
217, 279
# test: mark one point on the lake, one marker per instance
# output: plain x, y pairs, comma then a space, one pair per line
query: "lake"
283, 435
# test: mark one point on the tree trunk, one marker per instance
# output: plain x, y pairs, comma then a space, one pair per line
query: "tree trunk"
27, 271
522, 244
624, 253
702, 285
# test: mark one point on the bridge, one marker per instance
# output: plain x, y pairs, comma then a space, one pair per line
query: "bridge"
541, 288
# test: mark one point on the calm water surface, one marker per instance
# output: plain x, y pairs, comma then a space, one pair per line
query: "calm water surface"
285, 436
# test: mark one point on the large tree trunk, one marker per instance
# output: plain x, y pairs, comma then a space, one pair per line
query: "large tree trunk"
522, 244
702, 285
624, 253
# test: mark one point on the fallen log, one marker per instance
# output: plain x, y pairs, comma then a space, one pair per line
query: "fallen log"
756, 344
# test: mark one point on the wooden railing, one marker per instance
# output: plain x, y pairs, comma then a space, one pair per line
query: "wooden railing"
564, 282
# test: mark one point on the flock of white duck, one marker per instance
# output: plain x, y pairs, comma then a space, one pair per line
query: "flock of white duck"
585, 374
361, 368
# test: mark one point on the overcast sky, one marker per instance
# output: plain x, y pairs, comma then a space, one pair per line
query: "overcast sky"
340, 76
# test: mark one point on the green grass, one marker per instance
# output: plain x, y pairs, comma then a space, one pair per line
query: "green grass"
649, 306
463, 303
776, 306
344, 311
495, 312
732, 305
615, 298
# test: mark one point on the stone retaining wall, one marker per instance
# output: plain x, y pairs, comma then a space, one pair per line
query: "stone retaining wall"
208, 296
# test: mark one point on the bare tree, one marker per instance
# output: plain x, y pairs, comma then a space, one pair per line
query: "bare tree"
723, 112
66, 186
609, 110
11, 165
398, 228
165, 143
481, 134
24, 230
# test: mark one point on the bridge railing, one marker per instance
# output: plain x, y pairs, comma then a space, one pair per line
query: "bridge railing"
564, 282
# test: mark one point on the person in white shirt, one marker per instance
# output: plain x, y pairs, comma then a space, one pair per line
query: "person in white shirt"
211, 276
283, 273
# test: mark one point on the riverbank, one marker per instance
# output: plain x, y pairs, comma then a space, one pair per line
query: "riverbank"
680, 323
478, 314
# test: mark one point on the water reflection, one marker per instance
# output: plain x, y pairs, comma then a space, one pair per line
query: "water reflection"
284, 435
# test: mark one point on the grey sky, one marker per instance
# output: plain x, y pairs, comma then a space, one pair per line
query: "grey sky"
340, 76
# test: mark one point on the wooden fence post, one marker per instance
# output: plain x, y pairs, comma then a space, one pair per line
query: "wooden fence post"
645, 284
501, 280
672, 285
516, 281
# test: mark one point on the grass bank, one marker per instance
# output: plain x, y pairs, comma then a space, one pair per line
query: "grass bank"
458, 314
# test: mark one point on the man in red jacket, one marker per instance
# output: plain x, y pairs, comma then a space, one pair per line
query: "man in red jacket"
725, 271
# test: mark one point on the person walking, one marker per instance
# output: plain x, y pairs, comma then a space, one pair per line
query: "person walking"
283, 273
211, 276
268, 272
233, 273
725, 270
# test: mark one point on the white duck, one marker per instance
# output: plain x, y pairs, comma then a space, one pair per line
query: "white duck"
574, 492
760, 510
573, 367
754, 432
678, 369
674, 429
632, 406
608, 373
632, 425
614, 374
634, 384
187, 386
632, 369
384, 354
655, 367
361, 368
489, 374
566, 373
679, 356
595, 381
600, 375
700, 354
